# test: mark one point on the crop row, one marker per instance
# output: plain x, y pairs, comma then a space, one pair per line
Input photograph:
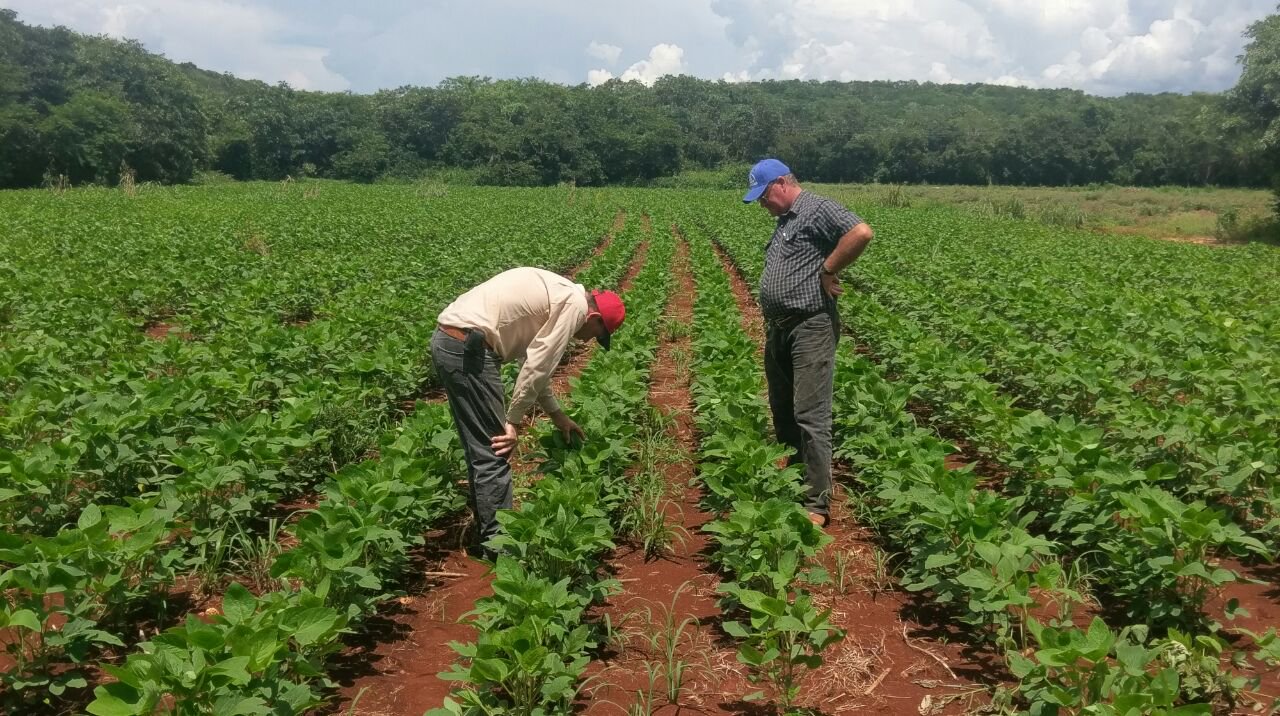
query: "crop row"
286, 350
1111, 513
533, 641
199, 523
969, 549
765, 544
1163, 348
266, 654
1177, 297
984, 553
346, 550
1210, 422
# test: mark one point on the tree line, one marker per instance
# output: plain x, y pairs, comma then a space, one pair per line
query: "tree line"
84, 109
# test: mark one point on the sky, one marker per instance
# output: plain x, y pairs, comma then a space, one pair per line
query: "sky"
1103, 47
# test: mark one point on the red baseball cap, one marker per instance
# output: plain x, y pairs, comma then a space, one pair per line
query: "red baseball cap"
609, 304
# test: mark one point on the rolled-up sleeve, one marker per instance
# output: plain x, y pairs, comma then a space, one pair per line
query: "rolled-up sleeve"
834, 221
534, 382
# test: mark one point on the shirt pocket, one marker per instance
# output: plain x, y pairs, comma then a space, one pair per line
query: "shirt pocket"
812, 238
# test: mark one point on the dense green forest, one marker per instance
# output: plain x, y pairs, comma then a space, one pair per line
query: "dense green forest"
91, 108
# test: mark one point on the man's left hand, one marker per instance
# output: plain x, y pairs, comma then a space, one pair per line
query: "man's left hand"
567, 427
831, 284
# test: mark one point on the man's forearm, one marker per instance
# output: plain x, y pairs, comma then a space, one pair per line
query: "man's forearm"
525, 395
547, 401
849, 248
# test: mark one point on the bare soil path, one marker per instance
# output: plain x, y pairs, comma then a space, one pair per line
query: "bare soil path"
671, 599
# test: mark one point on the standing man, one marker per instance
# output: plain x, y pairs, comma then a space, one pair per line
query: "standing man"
525, 314
815, 239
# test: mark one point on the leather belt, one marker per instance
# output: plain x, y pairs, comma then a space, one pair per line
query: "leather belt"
460, 334
453, 332
791, 320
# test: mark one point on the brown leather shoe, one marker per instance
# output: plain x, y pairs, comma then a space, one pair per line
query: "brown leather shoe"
819, 519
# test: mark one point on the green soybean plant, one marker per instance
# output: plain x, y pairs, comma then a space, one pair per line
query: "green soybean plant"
1097, 671
256, 657
65, 592
531, 647
1160, 565
782, 638
756, 542
559, 533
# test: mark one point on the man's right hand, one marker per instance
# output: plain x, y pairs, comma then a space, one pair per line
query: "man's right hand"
567, 427
831, 285
506, 442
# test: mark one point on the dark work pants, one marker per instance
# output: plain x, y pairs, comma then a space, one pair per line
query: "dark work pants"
799, 363
470, 375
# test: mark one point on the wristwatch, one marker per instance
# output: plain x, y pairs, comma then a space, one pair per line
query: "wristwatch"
828, 271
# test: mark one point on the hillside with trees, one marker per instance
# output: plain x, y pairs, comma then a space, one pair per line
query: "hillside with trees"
84, 109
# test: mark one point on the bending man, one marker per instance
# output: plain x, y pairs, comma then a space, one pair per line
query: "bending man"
525, 314
814, 240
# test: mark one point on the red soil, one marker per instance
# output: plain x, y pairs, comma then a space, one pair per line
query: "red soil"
619, 221
680, 585
159, 331
752, 320
391, 667
1258, 593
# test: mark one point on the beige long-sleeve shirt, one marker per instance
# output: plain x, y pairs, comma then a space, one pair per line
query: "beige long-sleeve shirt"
528, 315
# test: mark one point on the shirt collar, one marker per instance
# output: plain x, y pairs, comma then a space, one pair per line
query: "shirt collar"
791, 212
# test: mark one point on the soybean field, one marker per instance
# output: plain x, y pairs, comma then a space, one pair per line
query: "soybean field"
231, 485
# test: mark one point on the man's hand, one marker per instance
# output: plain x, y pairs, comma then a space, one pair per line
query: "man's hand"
831, 284
848, 249
506, 442
567, 427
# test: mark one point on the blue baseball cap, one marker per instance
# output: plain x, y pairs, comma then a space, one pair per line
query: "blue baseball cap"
765, 171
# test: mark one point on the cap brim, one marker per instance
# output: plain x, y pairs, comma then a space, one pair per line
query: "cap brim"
603, 340
754, 193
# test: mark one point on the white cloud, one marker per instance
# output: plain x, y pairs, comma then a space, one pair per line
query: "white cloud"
608, 53
663, 60
1100, 46
866, 40
244, 39
1009, 81
598, 77
1060, 16
1164, 52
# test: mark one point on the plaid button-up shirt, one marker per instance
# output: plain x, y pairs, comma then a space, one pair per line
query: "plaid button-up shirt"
791, 283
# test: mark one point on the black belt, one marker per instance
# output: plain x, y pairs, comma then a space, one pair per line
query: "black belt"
791, 320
